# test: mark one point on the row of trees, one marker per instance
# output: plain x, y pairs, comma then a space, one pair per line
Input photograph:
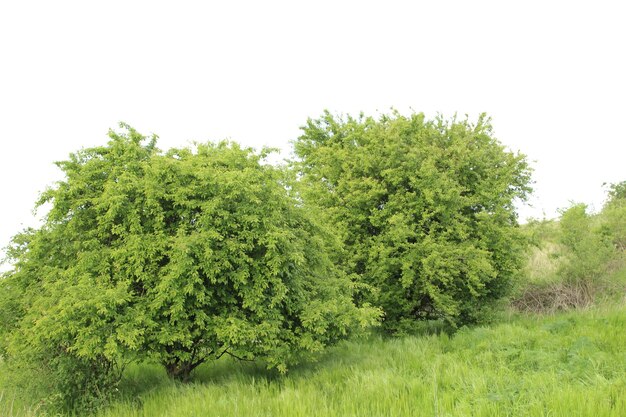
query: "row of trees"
187, 255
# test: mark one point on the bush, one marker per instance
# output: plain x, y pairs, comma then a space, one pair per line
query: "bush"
587, 250
580, 259
179, 257
425, 210
614, 215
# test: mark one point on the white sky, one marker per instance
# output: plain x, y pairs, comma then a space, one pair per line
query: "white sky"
552, 75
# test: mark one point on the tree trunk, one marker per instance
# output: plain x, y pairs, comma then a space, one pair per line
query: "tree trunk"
180, 371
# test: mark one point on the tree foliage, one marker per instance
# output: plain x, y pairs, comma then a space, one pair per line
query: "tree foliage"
614, 215
425, 209
587, 249
179, 257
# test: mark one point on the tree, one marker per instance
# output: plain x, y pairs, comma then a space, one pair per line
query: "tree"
617, 191
614, 215
425, 210
182, 257
588, 250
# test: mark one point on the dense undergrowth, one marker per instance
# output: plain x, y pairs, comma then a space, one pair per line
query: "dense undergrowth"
577, 261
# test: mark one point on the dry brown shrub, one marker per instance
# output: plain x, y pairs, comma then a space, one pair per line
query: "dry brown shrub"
557, 296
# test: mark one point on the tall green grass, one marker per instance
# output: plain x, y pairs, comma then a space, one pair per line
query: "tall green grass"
569, 365
572, 364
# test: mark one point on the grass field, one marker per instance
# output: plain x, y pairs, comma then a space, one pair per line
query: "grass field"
570, 364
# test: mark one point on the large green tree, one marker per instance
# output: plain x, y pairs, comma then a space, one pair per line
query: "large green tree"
181, 257
425, 209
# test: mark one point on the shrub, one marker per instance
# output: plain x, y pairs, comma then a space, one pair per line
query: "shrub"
580, 260
425, 210
614, 215
179, 257
587, 250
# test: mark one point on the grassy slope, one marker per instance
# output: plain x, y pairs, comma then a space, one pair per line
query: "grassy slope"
571, 364
566, 365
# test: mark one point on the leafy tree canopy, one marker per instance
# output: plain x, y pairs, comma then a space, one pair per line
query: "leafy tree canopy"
425, 209
614, 215
617, 191
180, 256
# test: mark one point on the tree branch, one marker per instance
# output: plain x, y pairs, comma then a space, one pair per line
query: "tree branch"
237, 357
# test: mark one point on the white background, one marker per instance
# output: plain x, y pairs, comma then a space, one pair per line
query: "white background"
551, 74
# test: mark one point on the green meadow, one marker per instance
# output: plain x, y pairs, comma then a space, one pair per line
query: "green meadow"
119, 311
568, 364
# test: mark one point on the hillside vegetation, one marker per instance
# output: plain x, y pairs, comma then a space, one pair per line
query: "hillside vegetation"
570, 364
577, 261
384, 273
565, 363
